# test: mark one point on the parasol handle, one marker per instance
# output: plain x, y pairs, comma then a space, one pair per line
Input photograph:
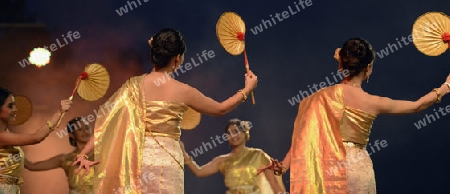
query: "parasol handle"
70, 98
62, 115
248, 69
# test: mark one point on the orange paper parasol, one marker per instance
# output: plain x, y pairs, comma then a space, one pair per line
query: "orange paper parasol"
91, 85
191, 119
431, 33
230, 30
24, 110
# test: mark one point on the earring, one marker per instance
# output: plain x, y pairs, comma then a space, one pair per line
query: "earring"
73, 142
368, 78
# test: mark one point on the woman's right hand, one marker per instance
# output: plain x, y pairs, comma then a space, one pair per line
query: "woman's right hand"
251, 80
65, 105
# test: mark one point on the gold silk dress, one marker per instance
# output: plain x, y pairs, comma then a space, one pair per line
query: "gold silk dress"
240, 173
137, 144
163, 162
11, 165
78, 183
328, 153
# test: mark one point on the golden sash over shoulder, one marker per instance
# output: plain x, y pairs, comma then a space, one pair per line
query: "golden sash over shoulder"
119, 139
318, 154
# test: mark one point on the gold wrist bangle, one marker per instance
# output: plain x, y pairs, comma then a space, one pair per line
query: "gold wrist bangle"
243, 95
439, 97
50, 125
82, 155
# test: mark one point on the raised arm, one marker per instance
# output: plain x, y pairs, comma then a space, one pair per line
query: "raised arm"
208, 169
17, 139
51, 163
206, 105
385, 105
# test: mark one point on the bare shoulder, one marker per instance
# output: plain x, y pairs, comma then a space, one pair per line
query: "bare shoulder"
375, 102
183, 86
373, 99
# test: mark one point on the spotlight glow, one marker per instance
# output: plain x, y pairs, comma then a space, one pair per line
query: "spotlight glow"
39, 57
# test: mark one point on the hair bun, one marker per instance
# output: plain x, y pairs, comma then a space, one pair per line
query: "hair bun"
165, 45
356, 54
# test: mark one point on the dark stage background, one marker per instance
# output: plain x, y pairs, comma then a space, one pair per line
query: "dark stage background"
287, 57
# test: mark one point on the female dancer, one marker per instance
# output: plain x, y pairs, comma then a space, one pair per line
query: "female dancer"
80, 133
239, 167
11, 155
139, 136
333, 125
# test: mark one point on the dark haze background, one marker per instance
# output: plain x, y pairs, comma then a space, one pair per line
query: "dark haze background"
287, 57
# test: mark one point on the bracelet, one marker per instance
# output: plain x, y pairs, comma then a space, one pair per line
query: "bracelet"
243, 94
448, 84
439, 97
283, 170
82, 155
50, 125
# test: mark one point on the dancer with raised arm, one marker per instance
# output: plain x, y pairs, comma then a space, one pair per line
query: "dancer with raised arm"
79, 134
333, 125
239, 167
11, 155
137, 141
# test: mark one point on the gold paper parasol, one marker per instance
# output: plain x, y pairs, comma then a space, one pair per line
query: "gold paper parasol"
91, 85
191, 119
230, 30
95, 84
24, 110
431, 33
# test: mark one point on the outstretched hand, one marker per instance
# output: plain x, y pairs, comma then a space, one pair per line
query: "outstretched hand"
275, 165
84, 164
278, 168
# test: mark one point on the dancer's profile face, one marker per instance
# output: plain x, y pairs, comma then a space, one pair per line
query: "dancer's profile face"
235, 136
8, 110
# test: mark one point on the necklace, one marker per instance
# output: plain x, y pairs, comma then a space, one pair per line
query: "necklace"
354, 85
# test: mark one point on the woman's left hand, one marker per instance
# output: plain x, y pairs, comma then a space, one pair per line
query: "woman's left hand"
84, 164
